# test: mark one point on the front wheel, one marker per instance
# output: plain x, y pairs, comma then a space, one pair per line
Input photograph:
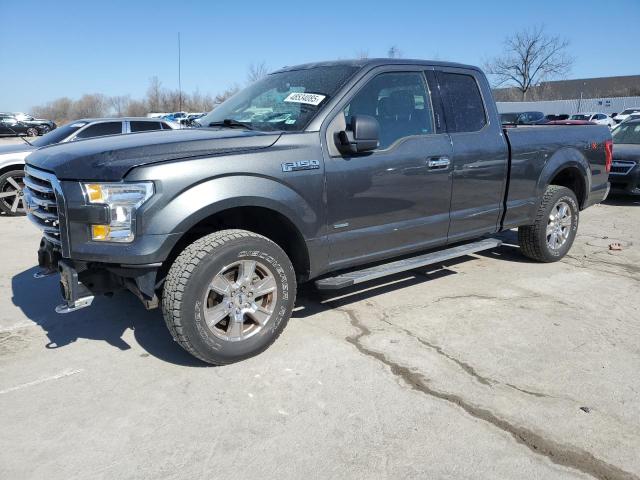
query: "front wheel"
32, 132
228, 296
554, 230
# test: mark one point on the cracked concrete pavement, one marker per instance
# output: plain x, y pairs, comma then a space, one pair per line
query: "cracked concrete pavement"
490, 367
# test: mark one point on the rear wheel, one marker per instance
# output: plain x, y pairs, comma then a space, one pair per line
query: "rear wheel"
12, 193
32, 132
551, 236
228, 296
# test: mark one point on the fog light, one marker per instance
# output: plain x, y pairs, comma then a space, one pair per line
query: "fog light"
100, 232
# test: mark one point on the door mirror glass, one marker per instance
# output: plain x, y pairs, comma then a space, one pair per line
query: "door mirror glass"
362, 135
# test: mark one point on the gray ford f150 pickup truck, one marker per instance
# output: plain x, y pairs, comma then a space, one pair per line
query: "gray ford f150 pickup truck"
336, 172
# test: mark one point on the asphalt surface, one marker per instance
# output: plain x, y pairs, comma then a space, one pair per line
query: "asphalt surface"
490, 367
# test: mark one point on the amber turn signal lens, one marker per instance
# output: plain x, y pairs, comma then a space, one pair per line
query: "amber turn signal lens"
94, 192
100, 232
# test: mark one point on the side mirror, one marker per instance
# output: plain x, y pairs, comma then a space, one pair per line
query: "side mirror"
363, 135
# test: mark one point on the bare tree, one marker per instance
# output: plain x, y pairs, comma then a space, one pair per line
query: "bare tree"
58, 110
154, 94
119, 104
530, 57
136, 108
257, 71
362, 54
394, 52
92, 105
229, 92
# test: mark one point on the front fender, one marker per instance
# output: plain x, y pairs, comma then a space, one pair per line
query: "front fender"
202, 200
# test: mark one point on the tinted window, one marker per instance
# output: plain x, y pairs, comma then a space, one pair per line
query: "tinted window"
100, 129
166, 126
400, 103
464, 102
144, 126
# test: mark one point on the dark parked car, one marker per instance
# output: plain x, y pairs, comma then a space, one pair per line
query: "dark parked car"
521, 118
43, 125
625, 171
11, 126
12, 156
557, 118
326, 172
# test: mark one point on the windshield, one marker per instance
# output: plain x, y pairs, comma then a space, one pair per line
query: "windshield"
282, 101
57, 135
627, 133
580, 116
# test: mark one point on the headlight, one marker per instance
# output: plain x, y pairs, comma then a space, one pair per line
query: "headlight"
123, 199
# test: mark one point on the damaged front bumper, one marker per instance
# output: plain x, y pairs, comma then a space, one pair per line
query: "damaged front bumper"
81, 282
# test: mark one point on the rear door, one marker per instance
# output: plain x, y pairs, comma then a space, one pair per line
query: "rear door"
480, 155
396, 198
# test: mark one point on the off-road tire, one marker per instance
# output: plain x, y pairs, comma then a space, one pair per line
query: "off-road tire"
533, 238
190, 275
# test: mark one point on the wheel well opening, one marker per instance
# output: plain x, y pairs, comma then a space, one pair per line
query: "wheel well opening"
572, 179
10, 168
273, 225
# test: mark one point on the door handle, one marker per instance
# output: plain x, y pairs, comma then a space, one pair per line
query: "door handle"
438, 163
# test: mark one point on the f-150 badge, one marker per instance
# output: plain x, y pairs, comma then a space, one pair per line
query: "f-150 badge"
300, 165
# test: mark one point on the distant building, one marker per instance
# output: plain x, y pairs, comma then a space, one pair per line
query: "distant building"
603, 87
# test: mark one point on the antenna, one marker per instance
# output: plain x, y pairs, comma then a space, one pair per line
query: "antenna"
179, 77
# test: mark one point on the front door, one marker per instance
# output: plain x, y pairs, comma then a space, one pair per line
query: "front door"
395, 199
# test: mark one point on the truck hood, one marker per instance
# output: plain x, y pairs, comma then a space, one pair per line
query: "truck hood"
626, 151
110, 158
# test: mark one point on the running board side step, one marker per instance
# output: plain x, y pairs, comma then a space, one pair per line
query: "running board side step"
359, 276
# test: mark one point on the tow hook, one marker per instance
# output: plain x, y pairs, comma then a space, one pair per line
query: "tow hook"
75, 294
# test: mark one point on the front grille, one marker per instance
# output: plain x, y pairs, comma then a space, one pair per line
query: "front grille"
41, 198
622, 167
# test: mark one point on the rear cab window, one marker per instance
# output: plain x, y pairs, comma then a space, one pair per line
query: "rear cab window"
142, 126
464, 107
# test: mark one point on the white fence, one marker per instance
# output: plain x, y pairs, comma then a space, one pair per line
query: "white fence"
556, 107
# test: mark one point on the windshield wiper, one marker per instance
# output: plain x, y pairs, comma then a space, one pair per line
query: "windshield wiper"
230, 122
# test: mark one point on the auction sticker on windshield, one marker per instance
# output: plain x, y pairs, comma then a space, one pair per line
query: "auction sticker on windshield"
308, 98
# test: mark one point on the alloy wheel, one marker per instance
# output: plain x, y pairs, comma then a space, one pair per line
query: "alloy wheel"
240, 300
559, 225
12, 194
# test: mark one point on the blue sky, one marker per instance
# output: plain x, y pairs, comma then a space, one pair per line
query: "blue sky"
50, 49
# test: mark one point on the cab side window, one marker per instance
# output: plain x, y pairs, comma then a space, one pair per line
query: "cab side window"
464, 104
399, 101
100, 129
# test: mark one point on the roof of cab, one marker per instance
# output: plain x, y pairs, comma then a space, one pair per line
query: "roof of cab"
374, 62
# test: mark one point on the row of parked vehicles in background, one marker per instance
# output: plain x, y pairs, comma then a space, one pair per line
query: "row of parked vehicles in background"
184, 119
585, 118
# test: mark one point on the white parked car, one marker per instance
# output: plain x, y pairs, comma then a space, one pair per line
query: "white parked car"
595, 117
622, 116
12, 156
